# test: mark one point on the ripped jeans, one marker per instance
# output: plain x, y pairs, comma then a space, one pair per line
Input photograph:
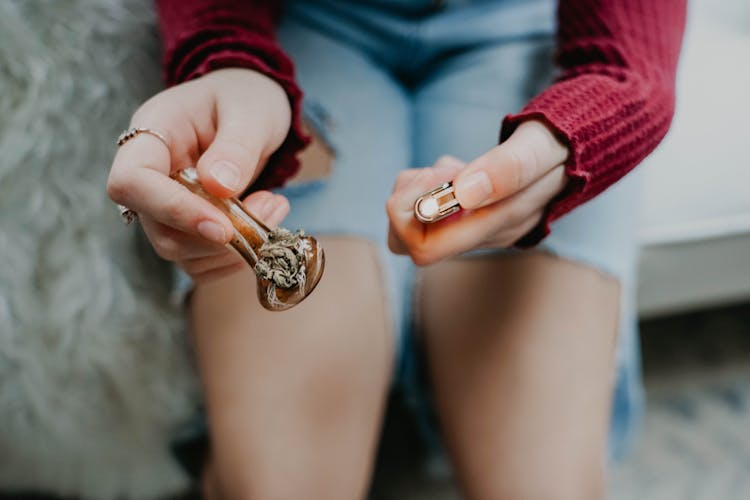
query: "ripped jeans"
394, 84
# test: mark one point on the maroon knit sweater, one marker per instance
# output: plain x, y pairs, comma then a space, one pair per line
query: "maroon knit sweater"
611, 105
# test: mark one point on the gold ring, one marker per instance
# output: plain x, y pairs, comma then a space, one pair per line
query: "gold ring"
128, 216
132, 132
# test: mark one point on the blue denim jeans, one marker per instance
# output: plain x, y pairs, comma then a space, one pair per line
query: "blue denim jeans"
395, 84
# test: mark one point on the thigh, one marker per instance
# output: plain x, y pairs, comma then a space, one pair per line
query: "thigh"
520, 350
294, 399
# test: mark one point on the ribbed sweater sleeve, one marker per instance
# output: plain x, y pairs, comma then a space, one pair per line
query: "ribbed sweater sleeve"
614, 99
203, 35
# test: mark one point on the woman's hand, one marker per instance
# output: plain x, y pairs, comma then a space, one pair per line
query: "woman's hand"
227, 124
503, 193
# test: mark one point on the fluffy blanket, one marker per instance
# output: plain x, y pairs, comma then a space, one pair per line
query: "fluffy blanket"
95, 376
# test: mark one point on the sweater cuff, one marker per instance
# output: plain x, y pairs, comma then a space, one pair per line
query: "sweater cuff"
610, 123
255, 52
577, 178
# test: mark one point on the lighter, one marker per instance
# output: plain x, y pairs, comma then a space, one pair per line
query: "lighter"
437, 204
288, 265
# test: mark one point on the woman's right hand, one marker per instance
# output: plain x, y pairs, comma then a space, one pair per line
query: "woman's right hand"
227, 124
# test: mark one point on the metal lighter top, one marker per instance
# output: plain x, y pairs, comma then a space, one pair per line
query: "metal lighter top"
437, 204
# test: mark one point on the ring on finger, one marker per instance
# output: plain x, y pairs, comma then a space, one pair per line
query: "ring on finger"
129, 215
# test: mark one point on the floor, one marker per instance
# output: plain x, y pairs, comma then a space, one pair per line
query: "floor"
695, 443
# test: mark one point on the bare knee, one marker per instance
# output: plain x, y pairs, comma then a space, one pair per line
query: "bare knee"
568, 482
522, 371
294, 400
282, 488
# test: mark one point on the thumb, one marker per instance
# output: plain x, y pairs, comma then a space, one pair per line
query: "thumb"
232, 160
252, 117
528, 154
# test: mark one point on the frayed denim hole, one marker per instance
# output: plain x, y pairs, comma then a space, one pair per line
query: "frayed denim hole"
320, 124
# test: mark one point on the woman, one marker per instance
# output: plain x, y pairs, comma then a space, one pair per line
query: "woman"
520, 346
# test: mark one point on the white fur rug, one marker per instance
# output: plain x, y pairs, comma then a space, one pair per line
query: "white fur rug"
95, 375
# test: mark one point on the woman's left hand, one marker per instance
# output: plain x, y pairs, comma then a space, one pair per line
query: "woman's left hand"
503, 193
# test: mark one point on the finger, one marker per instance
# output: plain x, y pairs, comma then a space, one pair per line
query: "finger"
400, 205
152, 193
183, 116
142, 151
449, 161
396, 244
530, 152
139, 175
406, 177
280, 212
203, 265
415, 183
268, 207
174, 245
240, 146
474, 228
218, 273
510, 236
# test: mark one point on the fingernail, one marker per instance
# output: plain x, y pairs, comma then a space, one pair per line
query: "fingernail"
227, 174
268, 207
280, 211
212, 231
474, 190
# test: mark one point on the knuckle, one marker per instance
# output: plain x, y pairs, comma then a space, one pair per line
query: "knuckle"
391, 207
402, 177
421, 260
421, 255
166, 247
394, 246
500, 243
149, 107
394, 242
448, 161
516, 170
196, 266
174, 206
238, 147
510, 239
118, 187
444, 159
143, 111
514, 214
